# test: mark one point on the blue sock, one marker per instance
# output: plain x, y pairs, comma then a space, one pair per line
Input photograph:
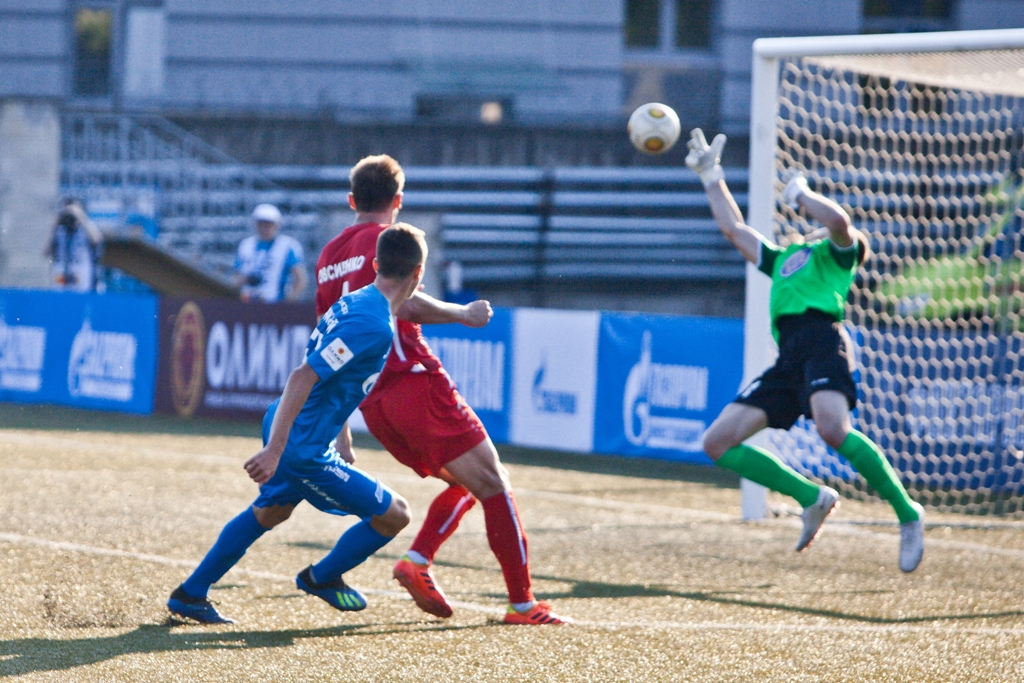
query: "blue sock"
352, 549
234, 540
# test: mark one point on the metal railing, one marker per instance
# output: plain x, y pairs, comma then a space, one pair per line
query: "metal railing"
514, 224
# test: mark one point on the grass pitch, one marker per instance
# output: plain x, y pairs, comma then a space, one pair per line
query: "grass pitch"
101, 516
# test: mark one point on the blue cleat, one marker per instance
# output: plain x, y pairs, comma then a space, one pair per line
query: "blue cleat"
337, 594
199, 609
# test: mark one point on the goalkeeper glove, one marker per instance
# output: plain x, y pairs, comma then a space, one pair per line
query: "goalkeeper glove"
705, 159
796, 186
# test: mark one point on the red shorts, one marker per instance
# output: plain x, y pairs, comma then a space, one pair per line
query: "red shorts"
423, 421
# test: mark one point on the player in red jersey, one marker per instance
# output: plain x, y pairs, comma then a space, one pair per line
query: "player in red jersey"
416, 412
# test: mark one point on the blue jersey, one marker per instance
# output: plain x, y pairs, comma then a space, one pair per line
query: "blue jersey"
346, 350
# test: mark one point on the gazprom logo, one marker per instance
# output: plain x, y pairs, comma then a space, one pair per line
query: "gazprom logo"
655, 386
22, 349
549, 401
102, 364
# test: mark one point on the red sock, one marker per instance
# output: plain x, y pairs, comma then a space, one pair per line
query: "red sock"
442, 520
508, 542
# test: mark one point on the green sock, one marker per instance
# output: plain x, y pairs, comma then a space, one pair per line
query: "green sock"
870, 462
760, 466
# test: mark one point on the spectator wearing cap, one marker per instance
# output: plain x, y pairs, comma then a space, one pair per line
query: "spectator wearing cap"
269, 266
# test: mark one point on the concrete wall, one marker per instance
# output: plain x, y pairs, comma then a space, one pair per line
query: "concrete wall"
551, 58
355, 61
690, 86
29, 183
986, 14
34, 39
741, 22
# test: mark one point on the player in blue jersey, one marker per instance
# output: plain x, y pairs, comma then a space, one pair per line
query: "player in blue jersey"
298, 462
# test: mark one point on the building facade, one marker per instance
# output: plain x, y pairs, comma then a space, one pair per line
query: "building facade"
534, 63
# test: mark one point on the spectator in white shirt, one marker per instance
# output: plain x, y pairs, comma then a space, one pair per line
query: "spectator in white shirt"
269, 266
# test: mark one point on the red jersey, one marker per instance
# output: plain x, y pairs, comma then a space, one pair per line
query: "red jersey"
345, 265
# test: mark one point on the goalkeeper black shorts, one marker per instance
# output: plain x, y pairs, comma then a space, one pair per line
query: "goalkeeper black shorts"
814, 355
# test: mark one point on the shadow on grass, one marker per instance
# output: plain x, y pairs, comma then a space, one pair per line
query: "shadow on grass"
620, 465
534, 531
63, 418
28, 655
598, 590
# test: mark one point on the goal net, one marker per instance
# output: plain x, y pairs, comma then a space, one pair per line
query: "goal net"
920, 139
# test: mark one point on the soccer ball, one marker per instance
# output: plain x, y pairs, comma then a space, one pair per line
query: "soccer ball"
653, 128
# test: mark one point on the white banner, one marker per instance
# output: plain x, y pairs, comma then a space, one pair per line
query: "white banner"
554, 378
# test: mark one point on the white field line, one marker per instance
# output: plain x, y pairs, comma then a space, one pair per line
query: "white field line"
856, 528
189, 564
73, 445
497, 611
839, 527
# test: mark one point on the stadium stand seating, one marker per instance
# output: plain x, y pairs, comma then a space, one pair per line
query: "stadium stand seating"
506, 224
520, 224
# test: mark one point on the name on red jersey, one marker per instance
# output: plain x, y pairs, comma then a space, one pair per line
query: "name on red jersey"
340, 269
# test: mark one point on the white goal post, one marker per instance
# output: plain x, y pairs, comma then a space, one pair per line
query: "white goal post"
919, 136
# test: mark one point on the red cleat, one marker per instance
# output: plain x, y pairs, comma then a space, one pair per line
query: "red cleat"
539, 614
419, 581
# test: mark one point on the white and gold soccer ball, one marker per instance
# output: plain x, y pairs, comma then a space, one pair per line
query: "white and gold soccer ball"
653, 128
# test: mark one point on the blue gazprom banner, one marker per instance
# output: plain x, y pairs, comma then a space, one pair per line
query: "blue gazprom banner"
586, 381
661, 381
85, 350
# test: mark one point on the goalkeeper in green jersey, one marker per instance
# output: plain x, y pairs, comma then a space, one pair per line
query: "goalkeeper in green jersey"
812, 376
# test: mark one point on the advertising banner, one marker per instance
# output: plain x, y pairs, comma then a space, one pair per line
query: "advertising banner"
84, 350
661, 381
225, 358
554, 378
479, 361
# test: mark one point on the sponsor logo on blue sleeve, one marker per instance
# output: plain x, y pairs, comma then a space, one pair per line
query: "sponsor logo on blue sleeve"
336, 354
369, 383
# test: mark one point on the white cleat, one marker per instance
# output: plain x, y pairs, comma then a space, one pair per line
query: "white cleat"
912, 541
814, 516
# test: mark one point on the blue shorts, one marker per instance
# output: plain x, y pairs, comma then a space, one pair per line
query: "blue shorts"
325, 480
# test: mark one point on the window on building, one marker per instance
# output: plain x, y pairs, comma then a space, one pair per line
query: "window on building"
143, 75
667, 25
901, 16
931, 9
463, 108
693, 23
93, 41
643, 23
